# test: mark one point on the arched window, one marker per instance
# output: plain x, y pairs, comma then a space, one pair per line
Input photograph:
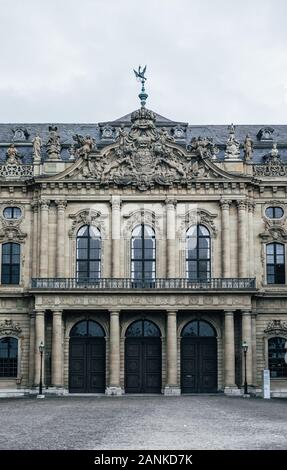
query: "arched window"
87, 328
8, 357
143, 254
143, 328
88, 253
10, 271
277, 357
198, 253
198, 328
275, 257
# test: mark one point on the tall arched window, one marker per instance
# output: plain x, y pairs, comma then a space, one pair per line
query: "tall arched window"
277, 357
10, 270
88, 253
275, 258
198, 253
143, 254
8, 357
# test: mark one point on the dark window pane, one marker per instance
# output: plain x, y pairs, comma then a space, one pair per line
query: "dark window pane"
94, 329
150, 329
205, 329
8, 357
135, 329
276, 355
278, 212
10, 263
191, 329
80, 329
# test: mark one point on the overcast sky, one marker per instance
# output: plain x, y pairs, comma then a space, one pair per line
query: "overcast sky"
208, 61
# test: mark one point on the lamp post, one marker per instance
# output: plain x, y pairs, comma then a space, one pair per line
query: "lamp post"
41, 350
245, 349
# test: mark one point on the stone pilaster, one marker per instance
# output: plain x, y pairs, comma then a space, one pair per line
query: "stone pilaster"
229, 355
60, 251
172, 387
35, 240
44, 239
114, 385
254, 349
32, 348
116, 236
247, 336
242, 239
170, 237
225, 237
57, 350
251, 254
39, 336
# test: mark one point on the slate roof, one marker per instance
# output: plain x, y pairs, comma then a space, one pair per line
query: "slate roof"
219, 133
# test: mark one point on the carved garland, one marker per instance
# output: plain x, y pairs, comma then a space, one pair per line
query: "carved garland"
276, 327
87, 217
196, 217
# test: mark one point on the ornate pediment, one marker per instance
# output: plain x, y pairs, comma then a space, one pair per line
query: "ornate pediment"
146, 156
272, 234
276, 327
8, 328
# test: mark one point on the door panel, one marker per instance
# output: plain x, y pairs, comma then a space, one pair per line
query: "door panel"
87, 365
143, 365
198, 365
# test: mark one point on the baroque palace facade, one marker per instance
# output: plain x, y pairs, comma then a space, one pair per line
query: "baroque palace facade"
142, 253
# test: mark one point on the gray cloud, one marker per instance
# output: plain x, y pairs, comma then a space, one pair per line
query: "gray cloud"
209, 61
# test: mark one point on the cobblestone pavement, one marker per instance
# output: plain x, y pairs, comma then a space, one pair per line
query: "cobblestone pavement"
186, 422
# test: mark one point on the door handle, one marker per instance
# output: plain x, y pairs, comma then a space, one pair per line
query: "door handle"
189, 376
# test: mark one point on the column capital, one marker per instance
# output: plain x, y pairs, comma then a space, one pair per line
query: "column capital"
39, 311
35, 206
61, 204
246, 312
170, 202
115, 312
251, 206
116, 202
228, 312
57, 312
171, 312
225, 204
44, 204
241, 204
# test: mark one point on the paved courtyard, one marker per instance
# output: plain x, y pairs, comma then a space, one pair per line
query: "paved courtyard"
186, 422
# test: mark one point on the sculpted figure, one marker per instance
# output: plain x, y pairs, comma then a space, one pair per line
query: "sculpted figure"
12, 155
274, 152
86, 144
232, 145
248, 148
37, 144
53, 144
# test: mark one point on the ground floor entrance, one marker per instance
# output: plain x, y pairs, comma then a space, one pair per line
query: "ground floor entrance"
87, 359
198, 358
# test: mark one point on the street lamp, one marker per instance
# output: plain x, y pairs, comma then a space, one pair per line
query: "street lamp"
41, 350
245, 349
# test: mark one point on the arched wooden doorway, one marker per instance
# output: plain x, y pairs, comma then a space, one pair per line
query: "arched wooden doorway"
143, 358
87, 358
198, 358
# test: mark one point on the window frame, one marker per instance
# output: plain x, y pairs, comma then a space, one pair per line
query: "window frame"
13, 377
276, 274
143, 260
274, 208
13, 209
198, 259
89, 259
10, 264
282, 377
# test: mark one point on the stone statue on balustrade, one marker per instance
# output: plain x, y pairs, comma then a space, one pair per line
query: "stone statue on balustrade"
12, 156
53, 144
37, 146
85, 145
232, 151
248, 148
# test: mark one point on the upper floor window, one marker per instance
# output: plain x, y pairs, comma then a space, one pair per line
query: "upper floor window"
88, 253
10, 266
275, 253
12, 213
274, 212
143, 256
277, 349
8, 357
198, 253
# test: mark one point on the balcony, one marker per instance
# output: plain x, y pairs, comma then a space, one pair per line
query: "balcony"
108, 284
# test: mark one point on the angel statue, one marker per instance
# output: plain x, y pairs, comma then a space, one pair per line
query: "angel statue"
86, 144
